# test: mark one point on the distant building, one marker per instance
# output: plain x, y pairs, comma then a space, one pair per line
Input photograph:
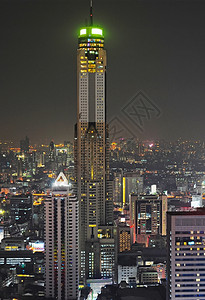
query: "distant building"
19, 167
147, 275
61, 242
186, 255
24, 145
52, 155
147, 216
123, 237
126, 184
117, 188
41, 159
13, 243
196, 201
20, 208
127, 269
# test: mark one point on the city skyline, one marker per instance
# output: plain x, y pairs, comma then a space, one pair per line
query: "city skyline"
164, 60
112, 209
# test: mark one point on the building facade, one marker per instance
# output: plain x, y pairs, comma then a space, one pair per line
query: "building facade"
147, 217
123, 237
126, 270
186, 255
126, 184
94, 189
61, 242
20, 208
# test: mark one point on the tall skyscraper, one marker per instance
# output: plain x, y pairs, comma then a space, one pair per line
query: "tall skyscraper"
24, 145
61, 242
52, 156
92, 152
147, 216
126, 184
186, 258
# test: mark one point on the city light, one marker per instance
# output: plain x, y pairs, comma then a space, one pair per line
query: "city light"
108, 211
97, 31
83, 31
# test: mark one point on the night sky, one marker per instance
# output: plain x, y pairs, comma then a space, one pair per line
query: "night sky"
154, 46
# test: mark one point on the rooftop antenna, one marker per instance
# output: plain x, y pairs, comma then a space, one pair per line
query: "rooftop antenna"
91, 12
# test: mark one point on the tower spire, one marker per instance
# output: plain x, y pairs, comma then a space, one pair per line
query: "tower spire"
91, 12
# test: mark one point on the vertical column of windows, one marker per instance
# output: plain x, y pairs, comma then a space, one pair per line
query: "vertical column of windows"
83, 97
100, 97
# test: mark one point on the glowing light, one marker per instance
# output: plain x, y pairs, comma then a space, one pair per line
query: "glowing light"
191, 243
24, 275
37, 246
124, 190
83, 31
81, 286
97, 31
61, 180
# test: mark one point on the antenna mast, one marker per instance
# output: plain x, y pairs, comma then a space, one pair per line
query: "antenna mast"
91, 12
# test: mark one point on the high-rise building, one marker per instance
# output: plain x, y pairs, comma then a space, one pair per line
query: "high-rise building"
132, 183
24, 145
52, 155
186, 255
126, 184
92, 151
20, 208
61, 242
147, 216
127, 269
123, 237
20, 166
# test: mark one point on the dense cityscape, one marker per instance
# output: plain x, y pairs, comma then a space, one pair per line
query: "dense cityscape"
105, 215
148, 170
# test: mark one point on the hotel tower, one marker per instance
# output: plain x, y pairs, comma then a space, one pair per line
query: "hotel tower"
61, 242
94, 189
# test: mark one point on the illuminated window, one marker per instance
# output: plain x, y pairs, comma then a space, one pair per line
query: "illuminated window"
83, 31
97, 31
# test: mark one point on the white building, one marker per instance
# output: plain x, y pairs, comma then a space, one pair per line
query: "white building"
61, 242
196, 201
127, 269
186, 261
